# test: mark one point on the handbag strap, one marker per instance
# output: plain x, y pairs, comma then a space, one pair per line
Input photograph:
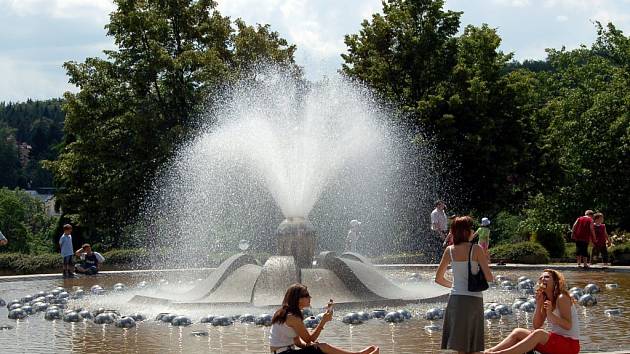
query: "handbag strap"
469, 255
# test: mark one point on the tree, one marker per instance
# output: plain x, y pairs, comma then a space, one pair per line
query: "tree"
24, 223
405, 52
40, 125
452, 88
587, 127
138, 104
8, 157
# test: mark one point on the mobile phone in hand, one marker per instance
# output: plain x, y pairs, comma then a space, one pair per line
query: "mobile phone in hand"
329, 307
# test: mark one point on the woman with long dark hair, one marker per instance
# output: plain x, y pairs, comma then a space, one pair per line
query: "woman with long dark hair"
554, 304
289, 334
463, 321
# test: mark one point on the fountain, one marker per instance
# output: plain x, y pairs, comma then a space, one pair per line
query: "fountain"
323, 151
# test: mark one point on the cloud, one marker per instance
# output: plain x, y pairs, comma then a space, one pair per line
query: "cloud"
513, 3
562, 18
616, 17
32, 79
92, 10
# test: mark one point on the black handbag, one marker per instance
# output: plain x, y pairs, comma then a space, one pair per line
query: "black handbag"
476, 282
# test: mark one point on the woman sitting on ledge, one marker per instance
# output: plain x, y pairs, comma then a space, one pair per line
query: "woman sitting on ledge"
289, 334
554, 304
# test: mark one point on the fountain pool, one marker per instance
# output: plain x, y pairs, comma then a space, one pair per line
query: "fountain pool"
600, 332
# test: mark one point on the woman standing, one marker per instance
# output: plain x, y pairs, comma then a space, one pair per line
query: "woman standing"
289, 334
463, 321
555, 305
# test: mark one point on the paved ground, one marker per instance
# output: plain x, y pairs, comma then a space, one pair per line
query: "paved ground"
510, 266
562, 266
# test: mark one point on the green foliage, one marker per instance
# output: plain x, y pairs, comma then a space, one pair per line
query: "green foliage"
540, 225
137, 104
8, 157
134, 256
505, 229
38, 124
553, 242
20, 263
586, 127
570, 250
454, 88
24, 223
618, 237
522, 252
620, 254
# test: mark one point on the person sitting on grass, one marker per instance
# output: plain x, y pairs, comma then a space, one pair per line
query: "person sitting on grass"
555, 305
90, 263
289, 334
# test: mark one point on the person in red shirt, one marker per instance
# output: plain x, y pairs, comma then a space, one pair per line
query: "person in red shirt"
601, 239
583, 233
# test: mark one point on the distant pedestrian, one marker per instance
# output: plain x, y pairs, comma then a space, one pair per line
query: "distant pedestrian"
602, 241
3, 240
439, 228
67, 251
583, 232
483, 233
354, 235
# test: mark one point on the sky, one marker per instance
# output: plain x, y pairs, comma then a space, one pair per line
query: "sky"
38, 36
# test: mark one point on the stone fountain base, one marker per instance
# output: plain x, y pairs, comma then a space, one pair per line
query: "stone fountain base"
349, 279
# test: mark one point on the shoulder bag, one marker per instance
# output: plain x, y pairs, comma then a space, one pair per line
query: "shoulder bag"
476, 282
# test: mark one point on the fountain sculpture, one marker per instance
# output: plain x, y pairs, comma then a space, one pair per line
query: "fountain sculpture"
293, 143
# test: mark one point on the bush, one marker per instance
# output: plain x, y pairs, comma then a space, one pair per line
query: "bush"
522, 252
619, 237
505, 229
24, 223
570, 250
620, 254
130, 257
552, 241
20, 263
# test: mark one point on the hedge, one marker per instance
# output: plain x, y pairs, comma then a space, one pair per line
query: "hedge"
620, 254
20, 263
115, 259
523, 252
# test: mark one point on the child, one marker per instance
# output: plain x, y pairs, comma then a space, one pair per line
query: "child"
601, 239
90, 263
65, 243
484, 235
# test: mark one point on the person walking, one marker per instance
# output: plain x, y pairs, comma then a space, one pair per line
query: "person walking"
602, 241
583, 233
439, 228
463, 327
354, 235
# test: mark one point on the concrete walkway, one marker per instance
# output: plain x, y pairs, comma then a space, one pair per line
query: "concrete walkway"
516, 266
509, 266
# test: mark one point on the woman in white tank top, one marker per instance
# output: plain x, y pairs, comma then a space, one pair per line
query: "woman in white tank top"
289, 334
463, 326
555, 305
